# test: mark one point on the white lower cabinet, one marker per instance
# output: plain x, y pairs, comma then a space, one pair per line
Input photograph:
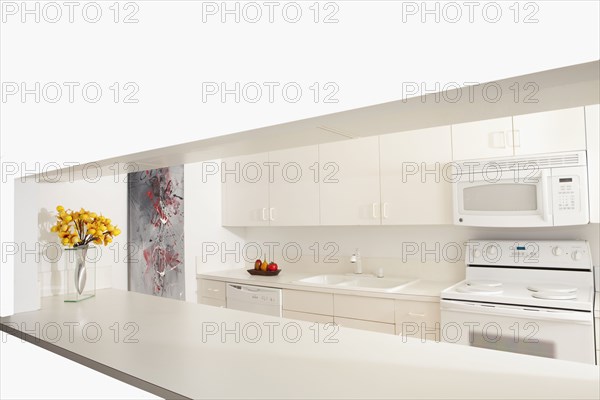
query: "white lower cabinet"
363, 308
308, 302
365, 325
401, 317
418, 319
303, 316
211, 292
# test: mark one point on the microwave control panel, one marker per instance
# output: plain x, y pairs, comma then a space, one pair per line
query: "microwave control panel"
569, 196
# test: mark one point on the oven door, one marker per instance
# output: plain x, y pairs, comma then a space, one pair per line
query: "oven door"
561, 334
506, 198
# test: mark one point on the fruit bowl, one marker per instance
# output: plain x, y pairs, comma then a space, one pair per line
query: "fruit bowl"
265, 273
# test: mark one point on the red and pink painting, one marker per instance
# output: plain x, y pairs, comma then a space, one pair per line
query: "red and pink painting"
156, 242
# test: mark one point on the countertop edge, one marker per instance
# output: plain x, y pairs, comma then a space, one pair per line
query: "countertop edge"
95, 365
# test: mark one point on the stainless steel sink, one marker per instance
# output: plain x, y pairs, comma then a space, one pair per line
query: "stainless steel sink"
356, 283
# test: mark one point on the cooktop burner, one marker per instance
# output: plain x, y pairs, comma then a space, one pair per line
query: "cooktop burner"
555, 295
483, 283
552, 288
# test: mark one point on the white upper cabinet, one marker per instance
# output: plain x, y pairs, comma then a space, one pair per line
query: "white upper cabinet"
245, 191
349, 182
490, 138
592, 128
549, 132
415, 184
294, 191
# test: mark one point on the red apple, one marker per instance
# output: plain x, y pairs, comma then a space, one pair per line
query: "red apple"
257, 264
272, 267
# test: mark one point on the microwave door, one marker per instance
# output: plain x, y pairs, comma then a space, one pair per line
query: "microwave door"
504, 199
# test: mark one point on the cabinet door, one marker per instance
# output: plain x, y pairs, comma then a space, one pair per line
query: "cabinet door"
211, 289
592, 128
549, 132
482, 139
363, 308
302, 316
418, 319
349, 182
308, 302
294, 191
415, 177
365, 325
245, 190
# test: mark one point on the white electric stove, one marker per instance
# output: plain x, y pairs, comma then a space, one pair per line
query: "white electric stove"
530, 297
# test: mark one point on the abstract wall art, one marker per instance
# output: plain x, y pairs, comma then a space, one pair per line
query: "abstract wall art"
156, 242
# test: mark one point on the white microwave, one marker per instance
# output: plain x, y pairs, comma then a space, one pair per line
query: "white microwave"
541, 190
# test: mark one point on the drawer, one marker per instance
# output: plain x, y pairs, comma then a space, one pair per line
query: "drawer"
365, 325
212, 289
308, 302
302, 316
213, 302
419, 319
364, 308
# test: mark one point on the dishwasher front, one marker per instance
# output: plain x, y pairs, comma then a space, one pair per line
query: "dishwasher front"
256, 299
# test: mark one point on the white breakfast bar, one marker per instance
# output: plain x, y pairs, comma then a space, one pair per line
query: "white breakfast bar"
183, 350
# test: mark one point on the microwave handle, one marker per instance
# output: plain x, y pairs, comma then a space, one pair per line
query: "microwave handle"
547, 195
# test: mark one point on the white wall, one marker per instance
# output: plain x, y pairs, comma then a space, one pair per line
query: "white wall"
203, 228
432, 252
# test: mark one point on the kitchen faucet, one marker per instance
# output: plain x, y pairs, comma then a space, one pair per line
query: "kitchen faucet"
356, 260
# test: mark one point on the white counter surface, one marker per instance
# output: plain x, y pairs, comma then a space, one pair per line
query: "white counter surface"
171, 358
420, 289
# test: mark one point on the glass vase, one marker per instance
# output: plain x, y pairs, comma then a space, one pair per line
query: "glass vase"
80, 274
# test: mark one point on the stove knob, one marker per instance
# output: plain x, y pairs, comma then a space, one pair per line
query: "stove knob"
576, 255
557, 251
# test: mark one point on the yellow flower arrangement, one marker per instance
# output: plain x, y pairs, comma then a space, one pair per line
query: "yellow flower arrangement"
79, 228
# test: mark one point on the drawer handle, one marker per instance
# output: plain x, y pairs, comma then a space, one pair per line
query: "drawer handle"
412, 314
213, 290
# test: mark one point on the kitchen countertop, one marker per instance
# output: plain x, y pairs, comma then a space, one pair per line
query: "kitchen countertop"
175, 356
420, 289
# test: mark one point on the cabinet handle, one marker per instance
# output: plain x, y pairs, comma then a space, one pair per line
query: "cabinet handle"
264, 214
373, 212
498, 140
271, 218
517, 138
385, 209
412, 314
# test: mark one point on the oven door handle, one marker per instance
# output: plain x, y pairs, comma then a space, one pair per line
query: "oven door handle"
581, 317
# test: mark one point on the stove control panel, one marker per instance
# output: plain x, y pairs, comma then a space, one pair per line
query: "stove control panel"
564, 254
